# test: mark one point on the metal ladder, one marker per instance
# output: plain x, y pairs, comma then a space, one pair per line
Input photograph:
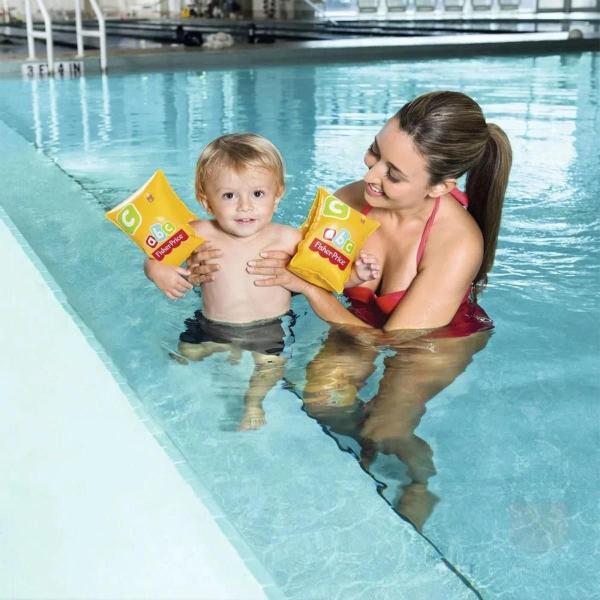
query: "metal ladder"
100, 33
6, 11
33, 34
46, 34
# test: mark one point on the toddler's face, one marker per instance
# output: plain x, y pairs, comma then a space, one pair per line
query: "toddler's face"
242, 202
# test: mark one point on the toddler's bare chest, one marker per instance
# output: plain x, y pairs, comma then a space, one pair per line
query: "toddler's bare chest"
233, 277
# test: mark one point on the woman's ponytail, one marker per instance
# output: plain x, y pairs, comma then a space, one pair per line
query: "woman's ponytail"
486, 186
450, 132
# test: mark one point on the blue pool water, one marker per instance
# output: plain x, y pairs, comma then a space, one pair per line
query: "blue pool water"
501, 472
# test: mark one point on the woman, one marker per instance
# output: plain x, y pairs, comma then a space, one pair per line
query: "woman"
434, 257
434, 254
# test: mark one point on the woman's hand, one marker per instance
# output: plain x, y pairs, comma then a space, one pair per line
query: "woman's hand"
202, 265
273, 264
269, 261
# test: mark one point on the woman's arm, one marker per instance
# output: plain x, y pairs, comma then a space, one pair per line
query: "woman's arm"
329, 308
406, 325
430, 302
273, 264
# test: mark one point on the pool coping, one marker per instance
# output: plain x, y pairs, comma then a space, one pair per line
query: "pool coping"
330, 51
142, 418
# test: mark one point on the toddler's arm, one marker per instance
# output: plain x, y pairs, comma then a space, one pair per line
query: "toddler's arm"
365, 268
169, 279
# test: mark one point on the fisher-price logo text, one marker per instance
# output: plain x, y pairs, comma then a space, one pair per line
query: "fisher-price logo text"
330, 253
164, 236
172, 243
342, 240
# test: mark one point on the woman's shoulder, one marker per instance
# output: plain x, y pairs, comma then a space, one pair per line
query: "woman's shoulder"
455, 229
352, 194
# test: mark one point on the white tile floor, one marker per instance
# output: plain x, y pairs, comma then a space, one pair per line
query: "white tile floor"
90, 504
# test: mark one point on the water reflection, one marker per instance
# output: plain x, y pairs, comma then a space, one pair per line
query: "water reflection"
85, 119
381, 431
54, 126
39, 105
35, 112
105, 126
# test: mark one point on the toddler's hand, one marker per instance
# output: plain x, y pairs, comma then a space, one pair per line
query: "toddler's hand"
170, 280
366, 267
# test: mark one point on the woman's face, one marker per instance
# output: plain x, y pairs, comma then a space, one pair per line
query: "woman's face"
397, 175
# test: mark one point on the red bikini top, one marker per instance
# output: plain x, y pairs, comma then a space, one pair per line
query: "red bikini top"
374, 309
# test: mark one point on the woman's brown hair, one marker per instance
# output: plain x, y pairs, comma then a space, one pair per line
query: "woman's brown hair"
449, 130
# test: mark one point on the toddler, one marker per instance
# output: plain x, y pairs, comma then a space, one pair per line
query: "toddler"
239, 182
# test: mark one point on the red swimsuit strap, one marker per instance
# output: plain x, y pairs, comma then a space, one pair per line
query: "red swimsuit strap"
458, 195
426, 231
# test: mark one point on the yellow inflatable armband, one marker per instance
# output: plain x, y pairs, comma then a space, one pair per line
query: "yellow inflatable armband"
157, 221
333, 234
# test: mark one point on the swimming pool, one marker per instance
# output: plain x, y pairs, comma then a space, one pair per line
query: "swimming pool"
513, 438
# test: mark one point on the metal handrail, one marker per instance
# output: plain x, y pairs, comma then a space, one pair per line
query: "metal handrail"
100, 33
46, 35
320, 11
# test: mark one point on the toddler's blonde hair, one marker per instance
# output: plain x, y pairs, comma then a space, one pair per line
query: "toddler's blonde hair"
239, 151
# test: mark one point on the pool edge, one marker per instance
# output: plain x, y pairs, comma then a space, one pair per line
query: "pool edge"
243, 551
